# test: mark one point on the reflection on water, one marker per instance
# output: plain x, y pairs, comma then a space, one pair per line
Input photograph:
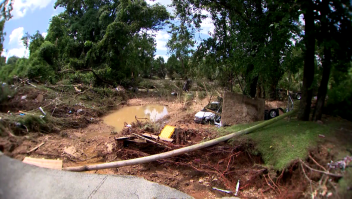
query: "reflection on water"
127, 114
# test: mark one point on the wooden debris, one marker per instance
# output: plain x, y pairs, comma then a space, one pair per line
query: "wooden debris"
71, 151
45, 163
122, 138
32, 84
222, 190
77, 89
37, 147
151, 141
39, 98
157, 137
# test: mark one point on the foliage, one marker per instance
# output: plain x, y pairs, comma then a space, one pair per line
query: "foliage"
35, 124
47, 52
109, 37
36, 42
5, 11
5, 91
340, 95
2, 61
345, 184
39, 69
12, 60
15, 67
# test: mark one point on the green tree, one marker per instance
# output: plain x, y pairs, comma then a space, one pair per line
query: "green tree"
333, 32
159, 67
106, 36
12, 60
5, 12
251, 39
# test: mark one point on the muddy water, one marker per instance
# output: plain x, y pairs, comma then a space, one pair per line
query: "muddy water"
128, 114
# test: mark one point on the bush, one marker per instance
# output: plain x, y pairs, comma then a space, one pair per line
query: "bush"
9, 71
47, 52
5, 91
40, 69
76, 63
85, 78
340, 98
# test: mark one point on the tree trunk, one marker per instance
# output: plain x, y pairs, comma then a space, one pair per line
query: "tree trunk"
259, 91
308, 72
253, 86
263, 91
323, 88
251, 83
273, 92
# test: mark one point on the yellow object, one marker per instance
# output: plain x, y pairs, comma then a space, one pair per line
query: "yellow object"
167, 131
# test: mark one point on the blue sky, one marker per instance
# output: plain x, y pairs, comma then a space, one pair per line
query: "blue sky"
32, 15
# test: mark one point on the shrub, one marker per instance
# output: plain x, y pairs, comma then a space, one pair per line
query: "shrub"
47, 52
5, 91
340, 98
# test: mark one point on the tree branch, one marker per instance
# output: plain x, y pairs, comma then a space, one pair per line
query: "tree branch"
327, 173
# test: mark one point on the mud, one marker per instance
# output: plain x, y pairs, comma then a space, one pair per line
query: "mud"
127, 114
194, 173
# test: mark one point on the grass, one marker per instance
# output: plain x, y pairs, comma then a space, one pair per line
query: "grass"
283, 142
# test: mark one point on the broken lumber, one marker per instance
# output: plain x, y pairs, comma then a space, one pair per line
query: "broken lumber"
177, 151
152, 141
45, 163
157, 137
37, 147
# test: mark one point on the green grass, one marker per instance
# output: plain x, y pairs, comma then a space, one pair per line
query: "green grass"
282, 142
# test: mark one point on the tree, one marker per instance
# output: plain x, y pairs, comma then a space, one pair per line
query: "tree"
251, 38
12, 60
333, 32
159, 67
5, 12
182, 35
108, 38
32, 42
2, 61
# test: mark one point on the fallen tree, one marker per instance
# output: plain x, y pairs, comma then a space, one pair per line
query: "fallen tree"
177, 151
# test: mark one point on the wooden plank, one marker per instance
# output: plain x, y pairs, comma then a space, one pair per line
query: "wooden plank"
151, 140
37, 147
45, 163
157, 137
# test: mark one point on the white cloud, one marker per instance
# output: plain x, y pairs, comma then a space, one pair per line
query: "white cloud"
207, 25
165, 3
44, 34
161, 45
18, 48
162, 2
21, 7
18, 52
161, 38
16, 36
166, 57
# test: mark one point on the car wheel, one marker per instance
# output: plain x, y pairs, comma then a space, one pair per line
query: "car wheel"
273, 113
298, 96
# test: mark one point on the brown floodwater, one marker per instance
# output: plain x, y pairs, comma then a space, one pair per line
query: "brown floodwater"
127, 114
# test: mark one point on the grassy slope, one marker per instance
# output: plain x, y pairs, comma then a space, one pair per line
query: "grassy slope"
284, 141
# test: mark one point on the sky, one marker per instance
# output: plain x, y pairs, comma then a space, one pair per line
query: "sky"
32, 15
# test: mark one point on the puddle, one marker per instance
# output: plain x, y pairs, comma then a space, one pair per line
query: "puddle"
127, 114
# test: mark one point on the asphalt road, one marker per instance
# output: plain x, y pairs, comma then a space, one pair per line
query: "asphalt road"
19, 180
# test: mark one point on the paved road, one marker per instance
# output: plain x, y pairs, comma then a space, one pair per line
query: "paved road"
19, 180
